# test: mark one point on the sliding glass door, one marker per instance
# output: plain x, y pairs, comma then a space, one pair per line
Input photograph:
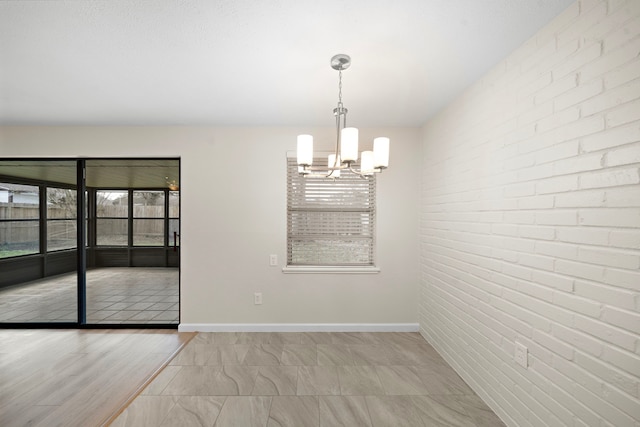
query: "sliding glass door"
126, 270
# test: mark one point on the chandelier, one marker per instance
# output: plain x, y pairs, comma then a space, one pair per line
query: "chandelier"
173, 184
345, 155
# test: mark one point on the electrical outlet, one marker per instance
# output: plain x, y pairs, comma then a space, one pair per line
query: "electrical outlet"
521, 355
273, 260
257, 298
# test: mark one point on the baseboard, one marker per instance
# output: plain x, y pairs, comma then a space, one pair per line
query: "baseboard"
298, 327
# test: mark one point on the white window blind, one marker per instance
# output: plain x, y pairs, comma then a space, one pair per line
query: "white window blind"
330, 222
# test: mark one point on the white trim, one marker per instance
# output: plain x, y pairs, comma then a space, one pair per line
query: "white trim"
330, 269
298, 327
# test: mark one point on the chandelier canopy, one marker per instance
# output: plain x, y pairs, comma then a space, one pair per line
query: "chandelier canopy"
345, 155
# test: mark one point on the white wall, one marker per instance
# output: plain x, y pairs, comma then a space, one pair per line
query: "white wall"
530, 225
234, 215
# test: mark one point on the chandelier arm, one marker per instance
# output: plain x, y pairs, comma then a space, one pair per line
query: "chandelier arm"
320, 172
307, 173
360, 174
308, 169
363, 175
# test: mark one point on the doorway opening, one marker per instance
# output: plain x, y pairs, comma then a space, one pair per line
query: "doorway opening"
90, 242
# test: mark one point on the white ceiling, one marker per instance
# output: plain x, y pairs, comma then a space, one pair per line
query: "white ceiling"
250, 62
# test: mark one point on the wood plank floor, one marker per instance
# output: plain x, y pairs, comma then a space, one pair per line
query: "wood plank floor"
77, 377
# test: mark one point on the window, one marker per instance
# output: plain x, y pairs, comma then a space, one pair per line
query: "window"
62, 211
19, 220
148, 218
330, 223
112, 218
140, 218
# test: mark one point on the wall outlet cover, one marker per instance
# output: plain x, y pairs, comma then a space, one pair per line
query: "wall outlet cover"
521, 355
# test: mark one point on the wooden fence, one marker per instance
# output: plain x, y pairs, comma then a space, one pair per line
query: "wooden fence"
15, 235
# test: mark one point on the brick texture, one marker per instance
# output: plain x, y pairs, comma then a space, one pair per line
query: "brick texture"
530, 224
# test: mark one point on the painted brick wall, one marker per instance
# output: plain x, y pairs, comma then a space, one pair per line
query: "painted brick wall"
530, 224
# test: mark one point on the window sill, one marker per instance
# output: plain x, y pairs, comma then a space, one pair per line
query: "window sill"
330, 270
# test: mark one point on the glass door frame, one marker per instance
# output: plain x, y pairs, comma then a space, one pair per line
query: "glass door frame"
81, 250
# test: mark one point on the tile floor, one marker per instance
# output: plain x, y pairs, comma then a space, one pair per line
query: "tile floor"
308, 379
114, 295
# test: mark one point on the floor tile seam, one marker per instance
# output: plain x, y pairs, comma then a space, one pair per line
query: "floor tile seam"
255, 383
219, 412
222, 373
297, 378
375, 370
463, 407
166, 415
161, 392
338, 377
366, 404
318, 406
384, 388
415, 370
270, 408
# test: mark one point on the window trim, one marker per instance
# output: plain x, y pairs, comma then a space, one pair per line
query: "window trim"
303, 269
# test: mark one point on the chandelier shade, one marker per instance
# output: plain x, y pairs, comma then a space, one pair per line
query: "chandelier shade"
345, 155
305, 150
349, 150
381, 152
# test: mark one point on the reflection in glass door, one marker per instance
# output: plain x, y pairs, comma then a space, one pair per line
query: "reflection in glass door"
129, 269
173, 256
